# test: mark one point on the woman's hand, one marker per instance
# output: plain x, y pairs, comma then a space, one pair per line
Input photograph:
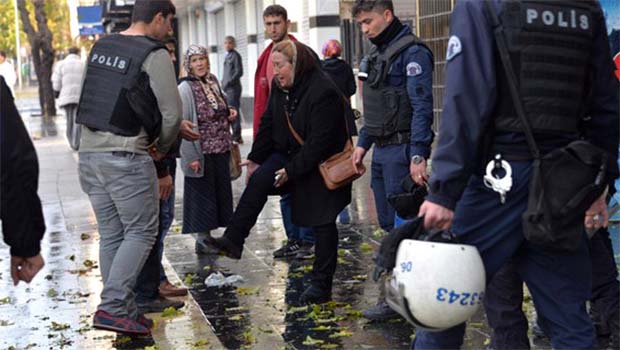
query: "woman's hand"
195, 166
281, 178
252, 167
233, 115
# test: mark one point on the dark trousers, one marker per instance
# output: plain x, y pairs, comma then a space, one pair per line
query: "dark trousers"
251, 203
390, 164
152, 273
560, 284
504, 298
233, 97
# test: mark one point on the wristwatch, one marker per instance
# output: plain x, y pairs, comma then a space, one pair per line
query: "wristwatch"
417, 159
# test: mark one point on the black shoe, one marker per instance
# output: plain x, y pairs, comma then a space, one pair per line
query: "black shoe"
158, 305
224, 246
306, 251
315, 295
380, 312
289, 249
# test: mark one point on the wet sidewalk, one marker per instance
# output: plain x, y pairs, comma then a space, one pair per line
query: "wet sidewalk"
262, 312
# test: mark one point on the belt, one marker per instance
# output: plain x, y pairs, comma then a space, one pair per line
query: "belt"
398, 138
123, 154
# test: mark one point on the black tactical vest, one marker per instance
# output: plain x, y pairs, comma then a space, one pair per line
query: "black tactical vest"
387, 109
550, 44
114, 66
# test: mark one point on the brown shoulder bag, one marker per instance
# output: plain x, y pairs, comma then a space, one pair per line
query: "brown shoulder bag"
337, 170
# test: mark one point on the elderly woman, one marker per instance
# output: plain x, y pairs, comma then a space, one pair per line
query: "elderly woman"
302, 94
207, 196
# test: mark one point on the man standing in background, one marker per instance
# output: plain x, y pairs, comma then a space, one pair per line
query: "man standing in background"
231, 82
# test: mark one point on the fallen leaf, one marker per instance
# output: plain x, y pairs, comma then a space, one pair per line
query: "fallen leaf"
322, 328
236, 317
248, 291
171, 312
189, 279
342, 333
84, 236
52, 293
366, 248
293, 310
207, 268
59, 326
4, 323
265, 330
310, 341
329, 346
248, 337
5, 300
91, 264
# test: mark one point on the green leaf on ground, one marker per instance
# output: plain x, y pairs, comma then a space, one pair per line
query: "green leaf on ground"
5, 300
59, 326
329, 346
52, 293
189, 279
293, 310
265, 330
366, 248
248, 337
341, 334
309, 341
237, 317
322, 328
171, 312
248, 291
200, 344
379, 233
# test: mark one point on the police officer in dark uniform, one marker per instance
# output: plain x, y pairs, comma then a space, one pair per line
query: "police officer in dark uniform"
561, 57
398, 106
130, 112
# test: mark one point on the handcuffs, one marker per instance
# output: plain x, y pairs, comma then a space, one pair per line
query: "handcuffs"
493, 180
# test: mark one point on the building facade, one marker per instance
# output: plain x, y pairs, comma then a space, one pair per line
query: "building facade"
207, 22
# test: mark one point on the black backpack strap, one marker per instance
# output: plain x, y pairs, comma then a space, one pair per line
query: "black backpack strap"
502, 47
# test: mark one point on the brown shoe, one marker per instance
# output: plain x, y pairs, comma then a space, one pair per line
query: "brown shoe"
167, 289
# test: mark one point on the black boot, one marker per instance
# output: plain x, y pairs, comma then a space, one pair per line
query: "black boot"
224, 246
315, 294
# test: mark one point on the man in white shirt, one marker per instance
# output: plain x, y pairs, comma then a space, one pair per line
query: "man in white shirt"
7, 71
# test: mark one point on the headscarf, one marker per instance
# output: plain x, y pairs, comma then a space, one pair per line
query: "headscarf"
193, 50
299, 55
331, 48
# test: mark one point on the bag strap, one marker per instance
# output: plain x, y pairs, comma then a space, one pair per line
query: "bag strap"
290, 126
502, 47
301, 141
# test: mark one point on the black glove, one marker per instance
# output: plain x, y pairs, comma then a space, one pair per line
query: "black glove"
407, 204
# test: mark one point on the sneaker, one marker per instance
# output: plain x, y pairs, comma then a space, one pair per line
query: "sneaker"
290, 248
306, 251
167, 289
380, 312
315, 295
125, 325
158, 304
145, 321
222, 245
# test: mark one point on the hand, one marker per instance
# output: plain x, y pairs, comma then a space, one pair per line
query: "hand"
358, 158
233, 115
24, 269
187, 131
155, 154
418, 172
281, 178
166, 186
195, 166
436, 216
597, 215
251, 169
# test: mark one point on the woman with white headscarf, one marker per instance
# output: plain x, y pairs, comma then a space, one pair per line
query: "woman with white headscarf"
207, 194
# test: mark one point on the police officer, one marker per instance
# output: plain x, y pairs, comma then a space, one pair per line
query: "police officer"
129, 101
550, 43
398, 105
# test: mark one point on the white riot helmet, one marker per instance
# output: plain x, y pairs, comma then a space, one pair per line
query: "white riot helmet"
434, 285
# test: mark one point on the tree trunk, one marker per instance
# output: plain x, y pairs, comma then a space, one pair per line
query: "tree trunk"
42, 53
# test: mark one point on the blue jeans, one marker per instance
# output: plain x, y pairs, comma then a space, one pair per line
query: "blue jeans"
152, 274
390, 165
293, 232
166, 216
560, 284
123, 191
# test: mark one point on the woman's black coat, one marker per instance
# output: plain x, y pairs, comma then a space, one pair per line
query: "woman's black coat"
316, 110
